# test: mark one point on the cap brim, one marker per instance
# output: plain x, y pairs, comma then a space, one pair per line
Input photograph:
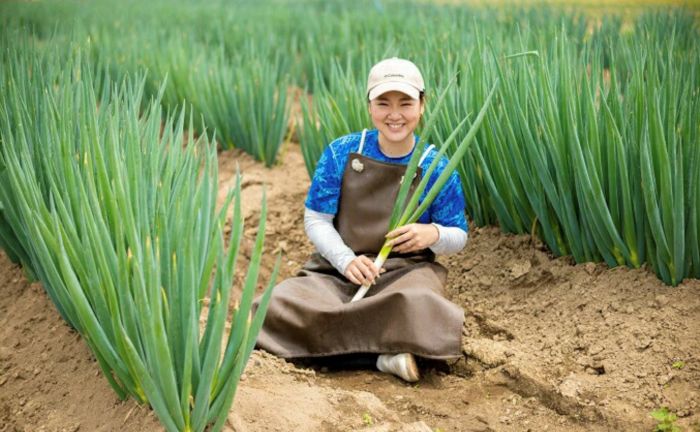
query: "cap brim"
402, 87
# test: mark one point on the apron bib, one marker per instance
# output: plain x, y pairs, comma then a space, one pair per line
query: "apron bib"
311, 315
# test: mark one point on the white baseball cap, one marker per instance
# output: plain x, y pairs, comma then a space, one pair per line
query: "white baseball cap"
395, 74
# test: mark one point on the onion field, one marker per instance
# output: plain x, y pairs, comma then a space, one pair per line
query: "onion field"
111, 115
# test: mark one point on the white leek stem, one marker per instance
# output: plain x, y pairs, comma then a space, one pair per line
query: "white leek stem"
378, 262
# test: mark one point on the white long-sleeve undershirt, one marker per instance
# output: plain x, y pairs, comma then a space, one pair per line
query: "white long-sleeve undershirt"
320, 230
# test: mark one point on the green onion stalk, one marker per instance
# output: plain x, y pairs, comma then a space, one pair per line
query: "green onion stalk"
402, 215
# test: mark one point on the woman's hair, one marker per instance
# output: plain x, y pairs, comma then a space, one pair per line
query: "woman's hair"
421, 98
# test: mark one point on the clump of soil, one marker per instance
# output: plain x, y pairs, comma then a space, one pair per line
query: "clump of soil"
547, 345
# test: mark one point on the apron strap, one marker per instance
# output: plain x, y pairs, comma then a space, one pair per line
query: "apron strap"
362, 141
422, 158
425, 154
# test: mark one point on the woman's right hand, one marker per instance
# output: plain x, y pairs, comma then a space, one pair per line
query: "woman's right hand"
362, 271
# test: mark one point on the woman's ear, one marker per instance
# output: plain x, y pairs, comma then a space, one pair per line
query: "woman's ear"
422, 107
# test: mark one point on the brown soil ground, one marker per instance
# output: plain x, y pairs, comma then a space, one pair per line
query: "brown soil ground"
547, 346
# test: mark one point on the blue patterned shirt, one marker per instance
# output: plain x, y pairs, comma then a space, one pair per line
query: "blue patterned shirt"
447, 209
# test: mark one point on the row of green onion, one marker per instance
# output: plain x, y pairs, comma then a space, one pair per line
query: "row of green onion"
112, 206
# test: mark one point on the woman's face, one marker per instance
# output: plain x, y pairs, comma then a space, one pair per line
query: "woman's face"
396, 115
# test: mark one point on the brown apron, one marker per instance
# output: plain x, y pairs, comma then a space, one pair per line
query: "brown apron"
311, 315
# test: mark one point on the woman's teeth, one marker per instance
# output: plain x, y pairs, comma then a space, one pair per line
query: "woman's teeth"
395, 127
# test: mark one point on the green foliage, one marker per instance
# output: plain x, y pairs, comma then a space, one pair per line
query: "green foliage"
666, 420
337, 108
244, 101
113, 207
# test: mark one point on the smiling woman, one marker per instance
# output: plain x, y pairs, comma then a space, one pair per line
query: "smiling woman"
348, 211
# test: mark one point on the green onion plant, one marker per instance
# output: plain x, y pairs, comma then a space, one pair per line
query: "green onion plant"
115, 210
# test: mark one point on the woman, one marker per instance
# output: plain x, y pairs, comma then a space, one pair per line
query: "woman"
347, 213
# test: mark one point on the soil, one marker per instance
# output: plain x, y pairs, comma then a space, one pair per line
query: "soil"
547, 345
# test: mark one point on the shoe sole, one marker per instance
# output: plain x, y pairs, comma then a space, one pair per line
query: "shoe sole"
412, 372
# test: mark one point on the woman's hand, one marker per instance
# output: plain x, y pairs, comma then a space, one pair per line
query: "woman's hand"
413, 237
362, 271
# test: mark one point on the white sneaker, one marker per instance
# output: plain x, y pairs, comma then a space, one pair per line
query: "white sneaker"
402, 365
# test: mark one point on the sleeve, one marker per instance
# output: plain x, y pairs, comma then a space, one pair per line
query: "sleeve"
319, 227
324, 192
451, 240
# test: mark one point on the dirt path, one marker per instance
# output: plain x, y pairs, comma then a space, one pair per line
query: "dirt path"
548, 346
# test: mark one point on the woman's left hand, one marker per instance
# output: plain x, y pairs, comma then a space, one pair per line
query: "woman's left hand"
413, 237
